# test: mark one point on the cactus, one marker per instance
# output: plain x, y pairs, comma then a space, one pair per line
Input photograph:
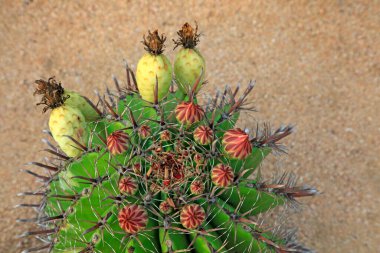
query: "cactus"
167, 176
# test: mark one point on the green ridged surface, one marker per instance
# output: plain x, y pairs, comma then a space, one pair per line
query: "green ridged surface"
95, 200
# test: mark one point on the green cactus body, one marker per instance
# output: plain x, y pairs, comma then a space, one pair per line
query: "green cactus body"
200, 244
68, 121
148, 68
188, 66
148, 181
75, 100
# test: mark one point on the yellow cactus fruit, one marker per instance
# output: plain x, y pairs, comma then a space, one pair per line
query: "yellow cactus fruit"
66, 121
154, 68
150, 67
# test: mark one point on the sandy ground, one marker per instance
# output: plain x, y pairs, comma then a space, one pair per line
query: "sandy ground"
316, 64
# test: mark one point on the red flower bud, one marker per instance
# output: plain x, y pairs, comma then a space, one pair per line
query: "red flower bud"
144, 131
197, 187
133, 218
137, 168
165, 207
198, 158
166, 182
192, 216
128, 185
165, 135
236, 143
188, 113
117, 142
203, 135
222, 175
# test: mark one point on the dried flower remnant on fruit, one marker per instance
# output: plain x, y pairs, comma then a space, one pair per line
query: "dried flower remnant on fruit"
52, 93
188, 36
154, 43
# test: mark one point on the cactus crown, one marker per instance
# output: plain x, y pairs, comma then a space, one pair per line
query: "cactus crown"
52, 93
154, 42
188, 36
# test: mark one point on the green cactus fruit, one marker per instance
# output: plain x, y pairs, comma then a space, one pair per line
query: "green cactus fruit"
75, 100
188, 65
153, 69
146, 181
189, 62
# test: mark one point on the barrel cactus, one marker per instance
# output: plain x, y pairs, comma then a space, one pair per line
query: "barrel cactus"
162, 174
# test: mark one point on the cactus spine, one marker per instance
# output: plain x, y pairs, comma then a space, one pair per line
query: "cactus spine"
145, 181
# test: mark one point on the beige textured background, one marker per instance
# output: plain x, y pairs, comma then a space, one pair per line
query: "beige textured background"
317, 64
